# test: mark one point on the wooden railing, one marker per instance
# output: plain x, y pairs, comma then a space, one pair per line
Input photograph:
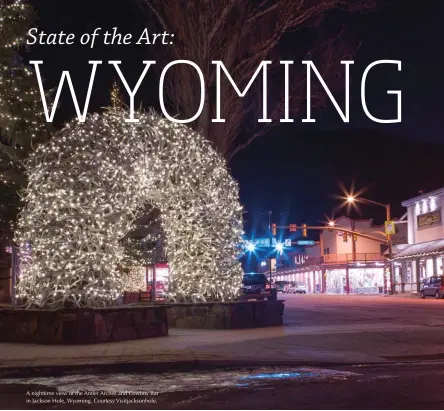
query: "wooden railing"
337, 259
347, 258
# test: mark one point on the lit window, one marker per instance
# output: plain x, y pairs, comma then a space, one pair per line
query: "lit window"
424, 206
433, 204
417, 209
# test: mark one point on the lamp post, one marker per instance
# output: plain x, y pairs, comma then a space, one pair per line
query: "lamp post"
351, 200
271, 240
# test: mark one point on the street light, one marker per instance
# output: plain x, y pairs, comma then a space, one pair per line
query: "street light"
353, 199
251, 247
279, 248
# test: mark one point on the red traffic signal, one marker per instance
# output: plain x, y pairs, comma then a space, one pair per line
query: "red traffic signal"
293, 227
273, 229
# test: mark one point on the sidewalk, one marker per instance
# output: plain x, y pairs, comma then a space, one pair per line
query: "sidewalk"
414, 294
287, 345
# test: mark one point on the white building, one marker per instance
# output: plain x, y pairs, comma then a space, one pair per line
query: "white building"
342, 263
423, 256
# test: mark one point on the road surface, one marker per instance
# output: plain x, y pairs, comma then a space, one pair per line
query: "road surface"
402, 337
329, 310
395, 386
394, 327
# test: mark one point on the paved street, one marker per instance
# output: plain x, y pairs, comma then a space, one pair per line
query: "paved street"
319, 329
388, 326
372, 311
418, 386
333, 352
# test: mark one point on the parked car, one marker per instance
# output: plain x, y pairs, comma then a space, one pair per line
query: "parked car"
288, 287
257, 287
280, 286
432, 287
301, 288
295, 288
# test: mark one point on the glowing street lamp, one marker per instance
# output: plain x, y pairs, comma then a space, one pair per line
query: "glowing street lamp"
279, 248
352, 200
250, 247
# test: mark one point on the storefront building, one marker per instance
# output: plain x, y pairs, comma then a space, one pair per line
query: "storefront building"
423, 256
342, 263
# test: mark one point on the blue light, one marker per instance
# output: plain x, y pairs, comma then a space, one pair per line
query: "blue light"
250, 247
274, 375
280, 247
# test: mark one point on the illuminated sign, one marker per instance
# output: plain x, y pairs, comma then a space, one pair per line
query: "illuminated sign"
261, 242
390, 227
265, 242
429, 219
306, 242
299, 259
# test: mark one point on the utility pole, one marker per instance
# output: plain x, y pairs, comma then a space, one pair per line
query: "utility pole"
351, 199
271, 240
390, 251
353, 240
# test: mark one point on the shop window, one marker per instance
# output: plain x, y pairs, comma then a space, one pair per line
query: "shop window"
366, 280
429, 267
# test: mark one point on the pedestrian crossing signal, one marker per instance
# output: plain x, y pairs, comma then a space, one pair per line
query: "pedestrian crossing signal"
293, 228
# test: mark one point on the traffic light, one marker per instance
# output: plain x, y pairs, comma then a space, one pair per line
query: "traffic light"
293, 228
345, 237
304, 230
273, 229
355, 237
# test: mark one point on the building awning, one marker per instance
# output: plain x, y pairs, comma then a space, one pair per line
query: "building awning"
421, 250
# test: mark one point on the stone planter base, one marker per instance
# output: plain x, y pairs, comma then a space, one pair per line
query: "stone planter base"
131, 297
235, 315
84, 325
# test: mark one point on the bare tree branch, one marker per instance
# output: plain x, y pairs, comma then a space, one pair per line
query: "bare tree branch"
243, 33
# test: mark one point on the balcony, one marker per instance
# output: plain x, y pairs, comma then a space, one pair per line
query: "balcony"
351, 258
340, 259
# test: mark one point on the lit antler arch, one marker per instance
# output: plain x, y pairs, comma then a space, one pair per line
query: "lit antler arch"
85, 188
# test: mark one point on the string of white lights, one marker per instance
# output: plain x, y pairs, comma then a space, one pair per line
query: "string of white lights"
85, 188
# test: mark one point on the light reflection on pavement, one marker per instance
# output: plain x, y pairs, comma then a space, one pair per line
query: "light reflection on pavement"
186, 381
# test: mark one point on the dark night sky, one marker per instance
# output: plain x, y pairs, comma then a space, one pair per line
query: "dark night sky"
295, 169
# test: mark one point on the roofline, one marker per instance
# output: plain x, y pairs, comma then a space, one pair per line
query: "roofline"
353, 219
414, 200
370, 220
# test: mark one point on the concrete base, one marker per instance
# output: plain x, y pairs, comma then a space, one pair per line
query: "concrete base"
83, 326
131, 297
235, 315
